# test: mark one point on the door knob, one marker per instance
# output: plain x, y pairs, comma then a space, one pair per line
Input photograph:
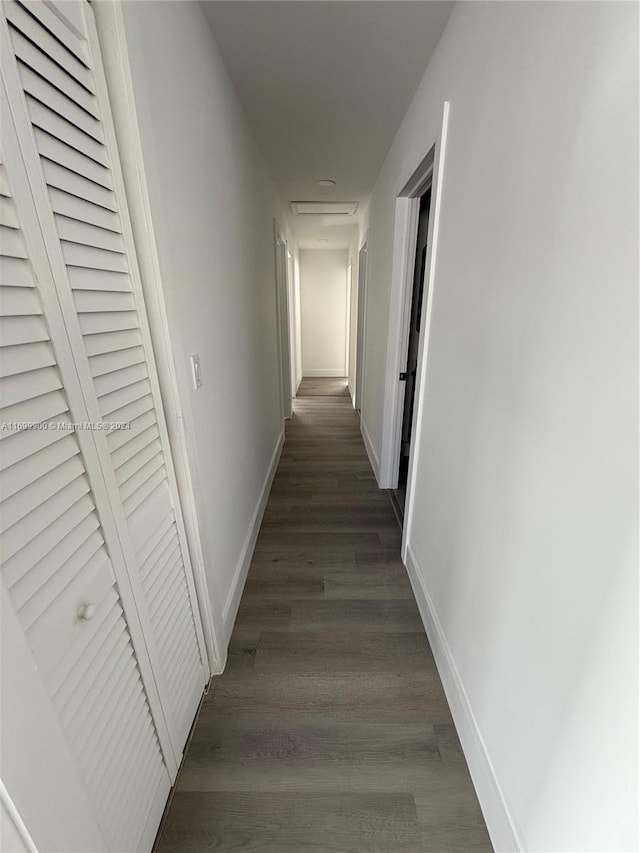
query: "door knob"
86, 611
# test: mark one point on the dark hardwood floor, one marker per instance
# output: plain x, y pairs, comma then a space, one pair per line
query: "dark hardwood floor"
329, 730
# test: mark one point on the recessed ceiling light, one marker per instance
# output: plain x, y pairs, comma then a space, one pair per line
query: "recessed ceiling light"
326, 182
323, 239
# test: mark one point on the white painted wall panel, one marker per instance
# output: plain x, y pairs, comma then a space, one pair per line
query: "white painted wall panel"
525, 514
323, 301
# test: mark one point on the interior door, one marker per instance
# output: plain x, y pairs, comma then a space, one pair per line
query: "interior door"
59, 101
85, 748
415, 321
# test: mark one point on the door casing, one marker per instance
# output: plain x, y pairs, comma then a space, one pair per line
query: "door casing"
283, 323
361, 325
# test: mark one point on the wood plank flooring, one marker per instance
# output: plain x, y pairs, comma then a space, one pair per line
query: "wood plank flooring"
323, 387
329, 730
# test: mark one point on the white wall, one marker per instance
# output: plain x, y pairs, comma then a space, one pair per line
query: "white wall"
213, 206
323, 311
523, 542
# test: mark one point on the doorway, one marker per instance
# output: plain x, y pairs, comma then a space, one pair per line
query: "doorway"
410, 372
362, 283
284, 326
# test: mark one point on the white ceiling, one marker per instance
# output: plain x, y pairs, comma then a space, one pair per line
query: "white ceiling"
326, 84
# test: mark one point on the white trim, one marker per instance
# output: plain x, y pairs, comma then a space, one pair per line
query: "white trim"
371, 451
325, 371
347, 321
232, 603
361, 323
499, 820
282, 321
351, 337
112, 37
423, 352
297, 342
14, 815
291, 302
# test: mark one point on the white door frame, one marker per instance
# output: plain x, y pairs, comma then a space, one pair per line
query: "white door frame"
347, 332
361, 323
291, 295
429, 171
283, 323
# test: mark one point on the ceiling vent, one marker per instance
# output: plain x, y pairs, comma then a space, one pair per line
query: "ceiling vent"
333, 208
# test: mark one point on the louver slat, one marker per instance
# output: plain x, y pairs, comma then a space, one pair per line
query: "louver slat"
129, 451
82, 211
18, 477
117, 360
55, 40
46, 120
11, 244
27, 442
67, 157
16, 273
77, 185
18, 300
7, 213
24, 358
22, 330
49, 69
50, 97
88, 234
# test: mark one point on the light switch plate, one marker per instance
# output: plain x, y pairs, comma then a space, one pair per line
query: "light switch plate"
196, 372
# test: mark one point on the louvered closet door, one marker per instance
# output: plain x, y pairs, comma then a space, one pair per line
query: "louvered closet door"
55, 561
60, 73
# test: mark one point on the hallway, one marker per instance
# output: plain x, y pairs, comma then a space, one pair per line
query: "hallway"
329, 729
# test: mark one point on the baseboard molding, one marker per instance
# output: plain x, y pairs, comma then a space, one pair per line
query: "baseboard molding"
371, 452
500, 823
232, 603
327, 373
298, 381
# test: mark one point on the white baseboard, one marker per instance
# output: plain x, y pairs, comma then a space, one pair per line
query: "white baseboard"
298, 381
230, 609
327, 372
500, 823
371, 452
